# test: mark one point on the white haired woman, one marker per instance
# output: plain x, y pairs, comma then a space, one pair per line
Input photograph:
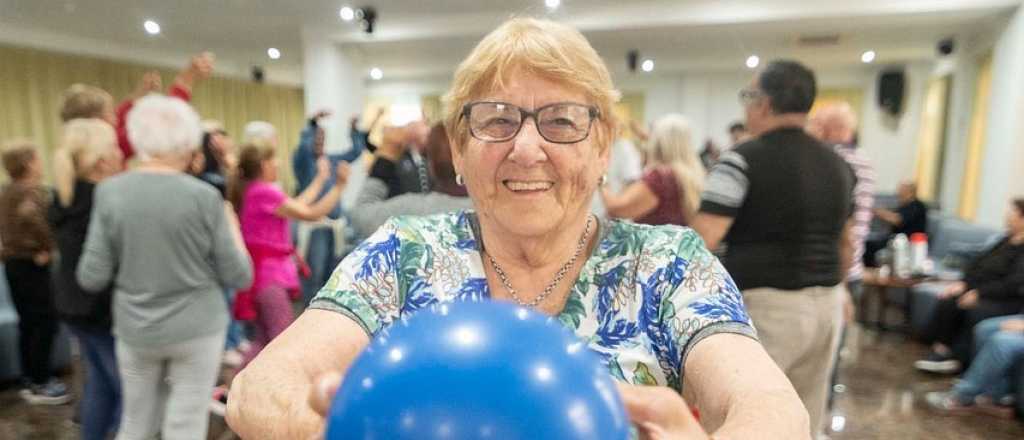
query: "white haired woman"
530, 120
669, 191
166, 244
88, 154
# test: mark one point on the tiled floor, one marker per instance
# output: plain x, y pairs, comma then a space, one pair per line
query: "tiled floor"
882, 400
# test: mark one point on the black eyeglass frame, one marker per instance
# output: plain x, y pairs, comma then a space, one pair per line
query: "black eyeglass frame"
592, 112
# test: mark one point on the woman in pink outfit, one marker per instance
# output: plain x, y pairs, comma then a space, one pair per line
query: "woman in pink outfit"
264, 210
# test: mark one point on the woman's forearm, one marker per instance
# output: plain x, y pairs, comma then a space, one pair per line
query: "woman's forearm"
767, 415
308, 195
327, 203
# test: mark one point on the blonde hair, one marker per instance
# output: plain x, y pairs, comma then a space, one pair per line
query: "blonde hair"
84, 142
671, 144
84, 101
541, 47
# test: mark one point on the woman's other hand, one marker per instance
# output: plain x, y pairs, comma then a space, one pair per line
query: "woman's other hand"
660, 413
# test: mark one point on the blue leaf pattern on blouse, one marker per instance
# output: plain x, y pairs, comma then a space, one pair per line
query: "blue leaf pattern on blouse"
639, 301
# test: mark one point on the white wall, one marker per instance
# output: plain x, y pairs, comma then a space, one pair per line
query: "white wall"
1003, 162
709, 100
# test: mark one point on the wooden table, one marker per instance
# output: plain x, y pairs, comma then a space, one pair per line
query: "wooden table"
882, 288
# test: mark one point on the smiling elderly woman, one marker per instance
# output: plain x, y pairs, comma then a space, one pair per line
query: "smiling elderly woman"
530, 120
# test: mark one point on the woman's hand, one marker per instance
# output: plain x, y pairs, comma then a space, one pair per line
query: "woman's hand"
321, 395
968, 300
660, 413
343, 171
952, 290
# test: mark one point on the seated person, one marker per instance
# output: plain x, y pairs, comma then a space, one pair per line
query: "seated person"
909, 218
447, 194
993, 285
986, 386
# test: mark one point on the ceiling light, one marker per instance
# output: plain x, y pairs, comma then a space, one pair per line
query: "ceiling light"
346, 13
273, 53
868, 56
647, 65
552, 4
152, 27
376, 73
753, 61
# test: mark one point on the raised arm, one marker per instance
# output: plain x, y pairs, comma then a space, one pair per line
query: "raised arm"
296, 209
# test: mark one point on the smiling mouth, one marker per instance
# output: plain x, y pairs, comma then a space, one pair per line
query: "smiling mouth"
520, 186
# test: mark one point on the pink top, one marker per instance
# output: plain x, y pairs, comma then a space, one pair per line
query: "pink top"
268, 237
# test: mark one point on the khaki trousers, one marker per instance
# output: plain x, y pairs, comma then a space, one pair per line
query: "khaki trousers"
800, 331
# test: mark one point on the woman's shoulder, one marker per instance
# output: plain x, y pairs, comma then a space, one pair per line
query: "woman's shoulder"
450, 229
652, 241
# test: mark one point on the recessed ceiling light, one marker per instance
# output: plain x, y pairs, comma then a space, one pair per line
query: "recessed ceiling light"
647, 65
346, 13
151, 27
273, 53
552, 4
753, 61
868, 56
376, 73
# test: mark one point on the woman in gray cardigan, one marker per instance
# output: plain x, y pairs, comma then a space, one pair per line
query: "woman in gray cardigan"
169, 247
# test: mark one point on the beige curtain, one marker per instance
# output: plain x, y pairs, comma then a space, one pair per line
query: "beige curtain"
31, 83
976, 140
931, 138
629, 108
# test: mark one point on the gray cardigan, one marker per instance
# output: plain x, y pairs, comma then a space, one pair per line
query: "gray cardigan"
164, 242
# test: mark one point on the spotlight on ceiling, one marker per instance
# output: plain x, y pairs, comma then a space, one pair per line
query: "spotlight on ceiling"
867, 57
346, 13
376, 73
152, 27
753, 61
647, 65
273, 53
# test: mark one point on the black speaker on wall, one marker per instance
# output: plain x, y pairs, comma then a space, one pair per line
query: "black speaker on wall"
890, 91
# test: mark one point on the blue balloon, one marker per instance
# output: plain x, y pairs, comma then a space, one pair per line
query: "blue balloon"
477, 370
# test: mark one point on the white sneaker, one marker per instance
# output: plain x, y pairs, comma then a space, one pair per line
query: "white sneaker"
53, 392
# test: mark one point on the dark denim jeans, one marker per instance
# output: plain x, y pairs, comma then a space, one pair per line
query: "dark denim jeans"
101, 399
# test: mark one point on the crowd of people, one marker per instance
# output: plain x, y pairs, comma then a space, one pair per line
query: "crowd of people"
175, 255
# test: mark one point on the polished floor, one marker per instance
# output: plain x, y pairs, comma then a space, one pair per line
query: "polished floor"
881, 399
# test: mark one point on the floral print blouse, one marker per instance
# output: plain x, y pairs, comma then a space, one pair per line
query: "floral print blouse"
644, 298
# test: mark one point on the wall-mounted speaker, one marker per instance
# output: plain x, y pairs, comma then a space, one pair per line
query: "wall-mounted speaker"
890, 91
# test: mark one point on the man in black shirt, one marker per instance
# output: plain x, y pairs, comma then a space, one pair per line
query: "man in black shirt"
782, 201
909, 218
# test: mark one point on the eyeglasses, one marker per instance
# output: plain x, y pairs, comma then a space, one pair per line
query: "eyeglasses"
749, 95
559, 123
